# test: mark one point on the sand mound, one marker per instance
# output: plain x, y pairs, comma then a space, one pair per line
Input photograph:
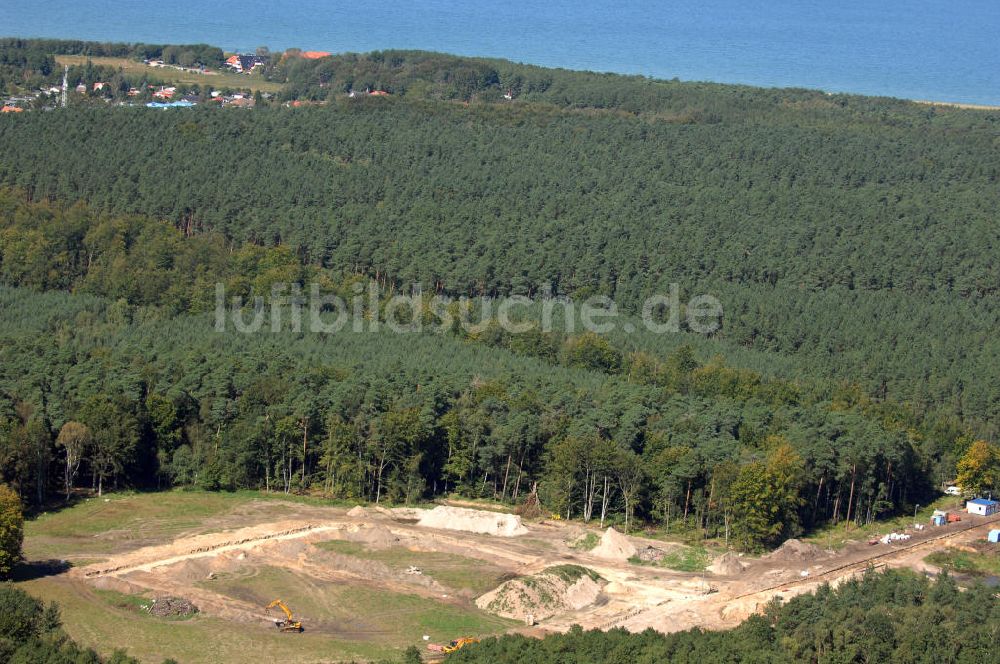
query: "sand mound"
543, 595
727, 564
473, 521
118, 585
357, 512
794, 549
406, 513
614, 546
375, 536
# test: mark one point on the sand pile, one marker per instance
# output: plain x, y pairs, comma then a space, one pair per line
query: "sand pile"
167, 607
727, 564
375, 536
793, 550
473, 521
406, 513
357, 512
193, 570
614, 546
543, 595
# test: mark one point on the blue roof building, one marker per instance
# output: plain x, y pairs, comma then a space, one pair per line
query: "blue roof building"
982, 506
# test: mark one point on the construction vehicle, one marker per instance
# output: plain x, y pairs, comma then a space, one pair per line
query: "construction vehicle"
454, 646
289, 624
458, 644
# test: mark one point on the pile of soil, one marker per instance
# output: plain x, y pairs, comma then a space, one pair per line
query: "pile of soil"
473, 521
375, 536
541, 596
614, 546
793, 550
401, 514
651, 554
728, 564
167, 607
357, 512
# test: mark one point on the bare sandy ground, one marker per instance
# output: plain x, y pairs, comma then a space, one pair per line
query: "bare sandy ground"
634, 597
974, 107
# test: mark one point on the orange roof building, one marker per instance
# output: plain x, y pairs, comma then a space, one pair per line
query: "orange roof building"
315, 55
11, 109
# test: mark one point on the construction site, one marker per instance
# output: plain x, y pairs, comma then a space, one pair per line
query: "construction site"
328, 582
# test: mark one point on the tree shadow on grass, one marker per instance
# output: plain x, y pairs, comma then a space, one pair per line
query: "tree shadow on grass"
38, 569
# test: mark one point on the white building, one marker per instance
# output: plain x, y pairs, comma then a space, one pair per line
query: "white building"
982, 506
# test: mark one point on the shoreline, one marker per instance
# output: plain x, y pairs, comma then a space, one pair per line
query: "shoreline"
79, 58
955, 104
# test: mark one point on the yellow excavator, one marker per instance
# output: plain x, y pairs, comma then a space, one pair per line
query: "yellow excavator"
458, 644
454, 646
289, 624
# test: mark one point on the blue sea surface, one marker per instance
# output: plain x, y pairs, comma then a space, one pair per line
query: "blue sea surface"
943, 50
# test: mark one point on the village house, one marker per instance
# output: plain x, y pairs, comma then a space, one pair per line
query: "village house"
369, 92
165, 93
11, 109
245, 63
241, 102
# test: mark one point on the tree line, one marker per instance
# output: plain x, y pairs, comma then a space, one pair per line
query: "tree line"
182, 54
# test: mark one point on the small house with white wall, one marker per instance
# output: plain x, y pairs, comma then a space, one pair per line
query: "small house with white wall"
982, 506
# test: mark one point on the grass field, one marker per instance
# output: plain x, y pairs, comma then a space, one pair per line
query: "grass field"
99, 526
354, 613
97, 619
587, 542
453, 571
171, 75
985, 563
686, 559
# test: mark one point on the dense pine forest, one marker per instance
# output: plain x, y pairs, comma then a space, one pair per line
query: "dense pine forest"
857, 240
851, 241
141, 390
